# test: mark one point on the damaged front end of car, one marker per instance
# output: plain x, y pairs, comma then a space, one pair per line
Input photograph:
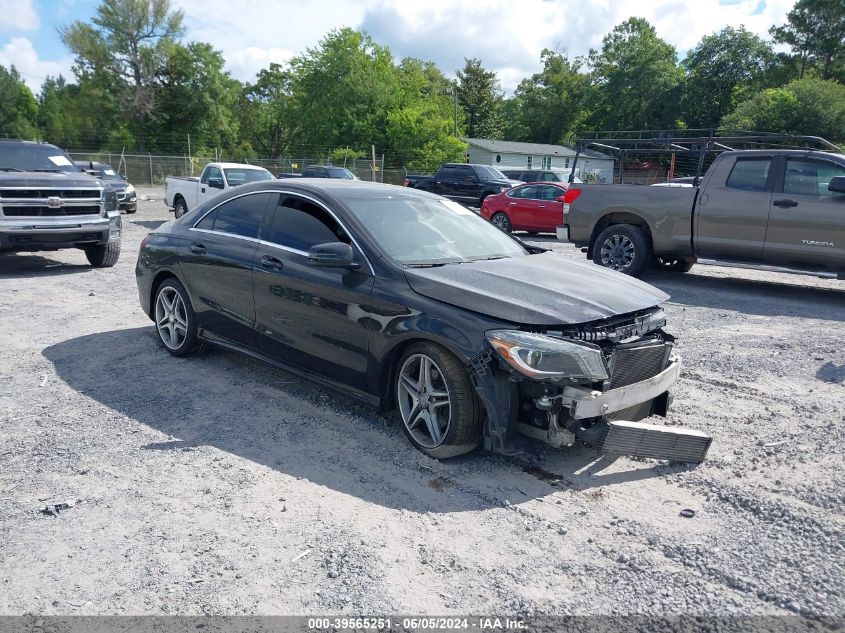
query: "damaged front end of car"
593, 382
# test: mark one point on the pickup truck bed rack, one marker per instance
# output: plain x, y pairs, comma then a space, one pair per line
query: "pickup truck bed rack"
695, 144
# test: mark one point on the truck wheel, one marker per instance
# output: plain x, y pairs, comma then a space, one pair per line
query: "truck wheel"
104, 255
179, 208
440, 412
175, 320
501, 221
673, 264
624, 248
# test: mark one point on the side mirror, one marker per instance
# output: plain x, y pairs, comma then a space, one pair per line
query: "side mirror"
332, 255
217, 183
837, 184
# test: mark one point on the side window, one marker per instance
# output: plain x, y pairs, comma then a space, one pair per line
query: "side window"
550, 193
448, 173
300, 224
750, 174
242, 216
810, 176
204, 178
207, 222
531, 193
466, 173
550, 177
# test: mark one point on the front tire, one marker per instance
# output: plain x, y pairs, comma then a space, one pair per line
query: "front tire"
624, 248
175, 320
502, 221
103, 255
440, 412
180, 208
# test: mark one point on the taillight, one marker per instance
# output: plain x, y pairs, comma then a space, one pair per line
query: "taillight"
569, 197
405, 182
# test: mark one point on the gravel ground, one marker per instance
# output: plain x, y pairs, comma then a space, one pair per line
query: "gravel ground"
135, 483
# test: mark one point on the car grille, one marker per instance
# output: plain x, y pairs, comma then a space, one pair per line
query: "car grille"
44, 211
21, 194
634, 363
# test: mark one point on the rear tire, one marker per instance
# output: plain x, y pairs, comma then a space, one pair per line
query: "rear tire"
175, 321
179, 208
502, 221
103, 255
623, 248
430, 385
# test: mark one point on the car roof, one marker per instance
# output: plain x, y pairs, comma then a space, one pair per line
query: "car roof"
337, 188
17, 141
237, 166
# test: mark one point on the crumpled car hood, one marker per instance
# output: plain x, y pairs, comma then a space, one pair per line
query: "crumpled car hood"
542, 289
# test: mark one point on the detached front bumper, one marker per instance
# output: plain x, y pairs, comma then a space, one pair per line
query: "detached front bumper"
584, 403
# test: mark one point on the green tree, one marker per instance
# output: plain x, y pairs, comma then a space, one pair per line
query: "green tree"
18, 107
342, 91
722, 70
815, 31
265, 111
481, 100
810, 106
638, 79
127, 39
196, 97
551, 105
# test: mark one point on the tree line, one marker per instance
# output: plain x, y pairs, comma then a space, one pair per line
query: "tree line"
137, 86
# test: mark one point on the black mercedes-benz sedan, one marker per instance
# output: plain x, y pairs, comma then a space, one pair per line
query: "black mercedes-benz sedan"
416, 304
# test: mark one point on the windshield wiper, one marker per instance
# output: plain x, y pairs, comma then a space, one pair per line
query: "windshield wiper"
10, 169
487, 259
426, 265
57, 171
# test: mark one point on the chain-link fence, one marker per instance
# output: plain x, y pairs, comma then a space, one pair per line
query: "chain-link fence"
149, 169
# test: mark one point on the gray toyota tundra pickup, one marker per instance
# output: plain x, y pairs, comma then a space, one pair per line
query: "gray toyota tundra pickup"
47, 203
780, 208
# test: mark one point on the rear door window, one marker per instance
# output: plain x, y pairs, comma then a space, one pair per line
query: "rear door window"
241, 216
750, 174
448, 173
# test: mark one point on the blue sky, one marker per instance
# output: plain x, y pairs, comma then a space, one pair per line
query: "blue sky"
507, 35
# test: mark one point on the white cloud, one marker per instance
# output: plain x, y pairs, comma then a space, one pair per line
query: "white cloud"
246, 62
20, 53
508, 36
252, 34
18, 15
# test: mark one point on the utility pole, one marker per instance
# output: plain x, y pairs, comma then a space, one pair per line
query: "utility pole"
455, 94
190, 160
373, 164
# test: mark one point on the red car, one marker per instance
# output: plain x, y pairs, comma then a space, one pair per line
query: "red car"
534, 207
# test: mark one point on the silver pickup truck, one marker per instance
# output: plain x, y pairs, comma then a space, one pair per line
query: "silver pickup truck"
47, 203
780, 208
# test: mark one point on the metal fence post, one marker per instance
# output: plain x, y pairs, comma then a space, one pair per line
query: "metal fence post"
151, 168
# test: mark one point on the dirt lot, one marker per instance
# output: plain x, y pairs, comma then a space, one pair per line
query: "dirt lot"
221, 485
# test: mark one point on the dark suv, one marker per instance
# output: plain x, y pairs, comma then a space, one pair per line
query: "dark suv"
127, 200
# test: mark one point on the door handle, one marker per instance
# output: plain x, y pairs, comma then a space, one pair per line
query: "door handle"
541, 206
512, 204
271, 263
198, 248
202, 189
785, 204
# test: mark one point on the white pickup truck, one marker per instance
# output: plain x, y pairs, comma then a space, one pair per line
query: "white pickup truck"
183, 194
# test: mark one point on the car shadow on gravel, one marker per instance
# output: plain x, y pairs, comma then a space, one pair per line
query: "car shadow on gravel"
271, 417
26, 265
750, 296
152, 225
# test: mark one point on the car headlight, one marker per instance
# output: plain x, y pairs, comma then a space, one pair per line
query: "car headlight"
540, 357
129, 189
109, 200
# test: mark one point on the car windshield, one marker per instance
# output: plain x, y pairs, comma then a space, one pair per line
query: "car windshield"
431, 231
340, 172
490, 172
237, 177
34, 157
